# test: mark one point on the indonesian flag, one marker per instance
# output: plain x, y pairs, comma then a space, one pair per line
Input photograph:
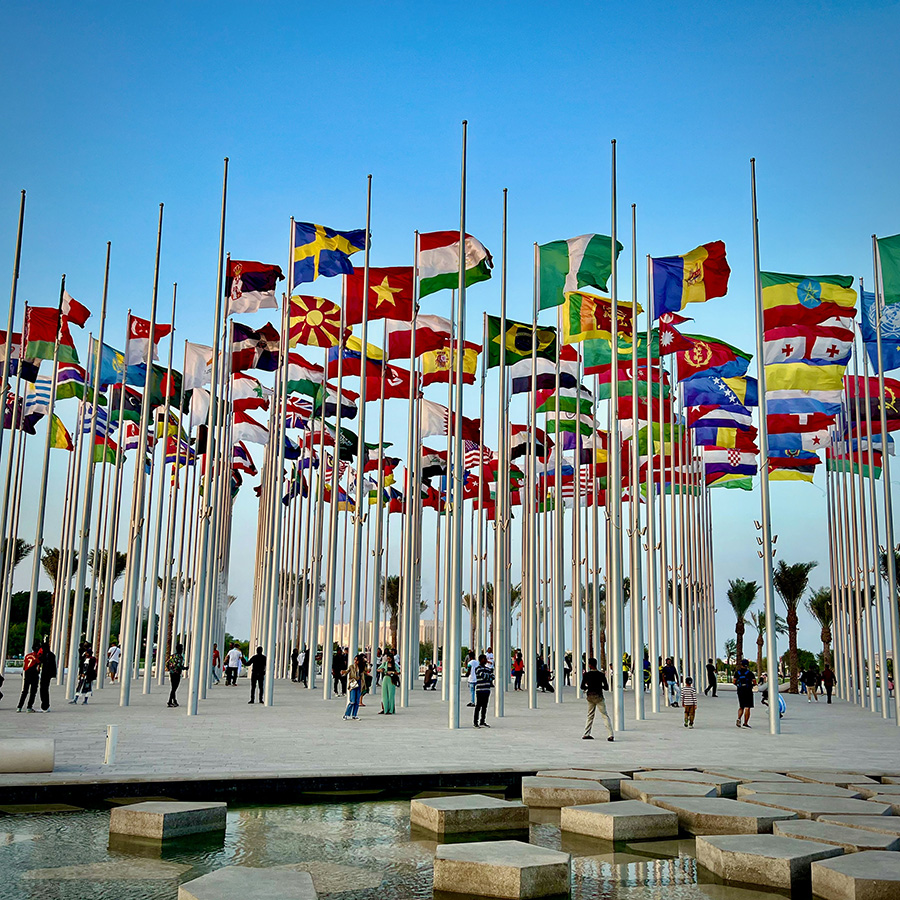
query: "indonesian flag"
249, 430
74, 311
250, 286
138, 344
247, 393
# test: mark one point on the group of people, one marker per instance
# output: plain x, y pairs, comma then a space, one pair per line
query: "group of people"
355, 680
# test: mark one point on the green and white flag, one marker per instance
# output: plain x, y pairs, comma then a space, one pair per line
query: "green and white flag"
583, 261
439, 261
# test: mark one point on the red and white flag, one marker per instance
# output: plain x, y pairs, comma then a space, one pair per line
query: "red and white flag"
74, 311
249, 430
139, 344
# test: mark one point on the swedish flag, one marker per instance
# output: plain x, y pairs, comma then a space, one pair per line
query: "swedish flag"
319, 250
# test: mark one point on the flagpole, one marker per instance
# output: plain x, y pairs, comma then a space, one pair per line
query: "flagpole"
530, 571
379, 509
637, 611
99, 526
4, 377
652, 600
765, 512
59, 596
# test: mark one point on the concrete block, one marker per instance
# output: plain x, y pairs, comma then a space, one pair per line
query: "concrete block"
21, 755
802, 788
623, 820
719, 815
465, 813
645, 790
240, 882
883, 824
762, 859
814, 807
870, 875
891, 800
851, 839
559, 792
725, 786
163, 820
501, 869
746, 775
841, 779
610, 780
870, 790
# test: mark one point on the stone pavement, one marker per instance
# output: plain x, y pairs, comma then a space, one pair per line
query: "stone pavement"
302, 735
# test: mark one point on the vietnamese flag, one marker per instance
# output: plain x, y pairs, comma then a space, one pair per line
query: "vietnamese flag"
390, 294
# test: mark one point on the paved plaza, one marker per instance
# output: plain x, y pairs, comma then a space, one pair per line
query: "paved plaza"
303, 735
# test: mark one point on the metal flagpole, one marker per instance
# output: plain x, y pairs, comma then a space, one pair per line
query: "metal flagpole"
379, 509
558, 595
652, 600
530, 572
765, 513
637, 612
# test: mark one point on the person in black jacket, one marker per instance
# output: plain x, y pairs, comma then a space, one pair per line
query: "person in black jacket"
712, 680
484, 680
257, 664
594, 683
48, 673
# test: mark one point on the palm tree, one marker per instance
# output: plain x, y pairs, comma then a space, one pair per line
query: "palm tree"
819, 606
730, 651
391, 590
741, 595
791, 582
50, 562
21, 550
759, 623
883, 561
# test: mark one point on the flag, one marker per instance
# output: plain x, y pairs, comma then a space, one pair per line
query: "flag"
520, 441
104, 450
396, 383
520, 373
250, 286
569, 421
810, 345
247, 393
59, 437
246, 429
583, 261
599, 353
734, 482
139, 345
792, 465
711, 357
179, 452
440, 365
70, 382
728, 461
589, 317
516, 344
254, 349
319, 250
40, 333
352, 355
327, 394
720, 417
102, 426
198, 408
849, 463
889, 264
891, 402
314, 321
29, 368
73, 311
803, 377
651, 382
715, 391
303, 377
671, 340
799, 401
691, 278
436, 420
132, 404
390, 294
890, 332
242, 459
197, 365
805, 299
37, 397
432, 333
813, 441
725, 437
570, 400
132, 439
112, 365
438, 261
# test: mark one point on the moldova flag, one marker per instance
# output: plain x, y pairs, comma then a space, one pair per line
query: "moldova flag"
319, 250
691, 278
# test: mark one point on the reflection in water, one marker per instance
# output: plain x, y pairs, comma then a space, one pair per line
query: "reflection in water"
353, 850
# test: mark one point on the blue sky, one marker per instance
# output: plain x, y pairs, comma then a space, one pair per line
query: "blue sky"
111, 109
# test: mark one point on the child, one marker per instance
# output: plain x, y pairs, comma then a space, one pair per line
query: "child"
689, 702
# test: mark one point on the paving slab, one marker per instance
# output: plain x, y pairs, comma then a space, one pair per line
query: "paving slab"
890, 779
891, 800
465, 813
746, 775
645, 790
883, 824
814, 807
511, 869
720, 815
558, 792
725, 786
803, 788
870, 790
851, 839
610, 780
870, 875
240, 882
762, 859
162, 820
622, 820
841, 779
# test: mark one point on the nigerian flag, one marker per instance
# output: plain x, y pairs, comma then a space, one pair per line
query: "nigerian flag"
583, 261
889, 258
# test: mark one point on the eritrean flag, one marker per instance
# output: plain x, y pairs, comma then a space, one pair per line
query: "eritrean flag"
691, 278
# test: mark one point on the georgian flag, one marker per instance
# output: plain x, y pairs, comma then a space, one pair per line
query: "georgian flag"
815, 346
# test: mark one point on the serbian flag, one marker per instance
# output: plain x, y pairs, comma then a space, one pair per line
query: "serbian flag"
390, 294
138, 345
691, 278
73, 311
250, 286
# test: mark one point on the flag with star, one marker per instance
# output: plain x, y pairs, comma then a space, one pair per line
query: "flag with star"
319, 250
390, 294
314, 321
517, 342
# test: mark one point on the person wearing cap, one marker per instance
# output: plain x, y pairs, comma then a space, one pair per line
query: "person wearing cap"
744, 681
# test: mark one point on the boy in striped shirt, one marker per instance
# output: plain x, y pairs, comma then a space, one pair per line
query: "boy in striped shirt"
689, 702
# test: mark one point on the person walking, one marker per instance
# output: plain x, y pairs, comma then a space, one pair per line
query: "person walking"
689, 702
175, 666
304, 666
216, 662
355, 675
113, 655
670, 676
48, 673
744, 681
813, 680
594, 683
30, 677
484, 680
712, 679
257, 664
295, 665
518, 670
85, 685
232, 661
389, 682
803, 686
471, 666
828, 681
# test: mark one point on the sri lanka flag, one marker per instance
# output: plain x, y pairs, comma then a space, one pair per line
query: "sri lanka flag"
691, 278
319, 250
250, 286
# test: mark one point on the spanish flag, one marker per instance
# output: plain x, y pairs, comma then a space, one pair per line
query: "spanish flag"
691, 278
439, 365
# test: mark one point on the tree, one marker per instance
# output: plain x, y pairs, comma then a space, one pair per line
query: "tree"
819, 606
741, 595
21, 550
730, 651
759, 623
391, 589
883, 565
791, 582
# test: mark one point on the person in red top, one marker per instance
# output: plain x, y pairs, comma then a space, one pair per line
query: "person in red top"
30, 677
216, 662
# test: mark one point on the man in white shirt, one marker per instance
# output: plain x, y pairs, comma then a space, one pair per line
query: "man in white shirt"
471, 666
113, 655
233, 659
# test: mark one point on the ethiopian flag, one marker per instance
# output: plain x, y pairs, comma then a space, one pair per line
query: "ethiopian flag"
517, 342
583, 261
589, 317
805, 299
439, 261
690, 278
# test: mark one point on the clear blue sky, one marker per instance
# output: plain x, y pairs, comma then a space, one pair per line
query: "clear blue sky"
112, 108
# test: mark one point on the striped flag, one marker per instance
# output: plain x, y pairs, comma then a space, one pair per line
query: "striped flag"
103, 426
37, 398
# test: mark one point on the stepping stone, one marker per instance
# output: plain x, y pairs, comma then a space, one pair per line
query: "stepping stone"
746, 775
623, 820
891, 779
719, 815
870, 790
803, 788
646, 790
240, 882
870, 875
841, 779
883, 824
851, 839
462, 814
128, 801
558, 792
725, 787
762, 859
163, 820
610, 780
501, 869
26, 755
891, 800
110, 870
37, 809
813, 807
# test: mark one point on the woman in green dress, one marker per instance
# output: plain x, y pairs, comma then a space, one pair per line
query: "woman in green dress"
388, 683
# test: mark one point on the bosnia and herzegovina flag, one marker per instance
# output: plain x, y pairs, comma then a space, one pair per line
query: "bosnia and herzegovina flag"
691, 278
319, 250
805, 299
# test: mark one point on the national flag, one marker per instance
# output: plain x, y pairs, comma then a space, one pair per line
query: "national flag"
179, 452
254, 349
170, 427
352, 355
327, 394
432, 333
890, 332
40, 333
112, 365
725, 437
105, 450
440, 365
520, 441
438, 261
475, 454
29, 368
671, 340
390, 294
811, 345
73, 311
297, 487
198, 361
661, 409
516, 344
139, 345
719, 461
520, 373
790, 300
132, 439
303, 377
247, 393
314, 321
598, 354
734, 482
246, 429
714, 391
589, 317
570, 400
319, 250
37, 397
569, 422
583, 261
803, 377
800, 401
59, 437
850, 463
436, 420
691, 278
799, 440
650, 382
890, 400
666, 438
394, 380
720, 417
889, 265
710, 357
164, 385
198, 408
432, 462
70, 382
792, 465
250, 286
130, 404
102, 426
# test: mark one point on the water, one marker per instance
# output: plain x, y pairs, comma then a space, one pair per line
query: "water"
354, 851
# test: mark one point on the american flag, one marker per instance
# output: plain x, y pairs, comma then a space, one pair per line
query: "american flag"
474, 454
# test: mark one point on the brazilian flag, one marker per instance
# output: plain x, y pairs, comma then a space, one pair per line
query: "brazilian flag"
517, 344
